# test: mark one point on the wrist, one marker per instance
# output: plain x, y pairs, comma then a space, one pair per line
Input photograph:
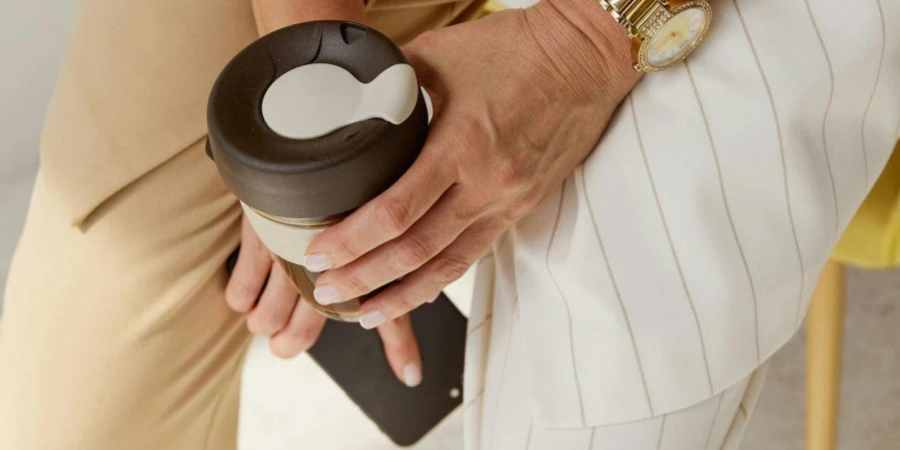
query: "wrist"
597, 32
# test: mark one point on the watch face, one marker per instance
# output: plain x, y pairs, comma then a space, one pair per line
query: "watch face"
677, 37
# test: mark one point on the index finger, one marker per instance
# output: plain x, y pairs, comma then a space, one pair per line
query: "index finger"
383, 218
402, 350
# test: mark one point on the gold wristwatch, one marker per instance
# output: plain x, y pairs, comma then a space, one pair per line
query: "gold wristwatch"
662, 32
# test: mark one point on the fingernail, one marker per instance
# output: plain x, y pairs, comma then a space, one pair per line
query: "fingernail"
371, 319
412, 375
327, 294
317, 262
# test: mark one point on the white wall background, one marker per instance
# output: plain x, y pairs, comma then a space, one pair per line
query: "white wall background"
33, 35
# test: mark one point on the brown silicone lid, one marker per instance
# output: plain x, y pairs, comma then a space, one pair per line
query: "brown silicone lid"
308, 178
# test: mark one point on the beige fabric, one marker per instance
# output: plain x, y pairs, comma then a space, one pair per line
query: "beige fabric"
132, 92
136, 78
404, 19
115, 333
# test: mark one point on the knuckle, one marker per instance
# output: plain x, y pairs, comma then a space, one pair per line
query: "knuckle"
413, 252
469, 210
448, 269
359, 286
526, 204
394, 215
254, 326
246, 291
304, 337
407, 303
347, 250
474, 133
501, 225
239, 297
274, 319
515, 172
402, 346
511, 215
266, 321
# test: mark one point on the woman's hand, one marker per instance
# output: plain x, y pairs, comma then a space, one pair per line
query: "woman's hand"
260, 288
521, 98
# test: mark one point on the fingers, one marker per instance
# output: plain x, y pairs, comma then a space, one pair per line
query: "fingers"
426, 283
300, 334
391, 261
384, 218
275, 304
402, 350
250, 271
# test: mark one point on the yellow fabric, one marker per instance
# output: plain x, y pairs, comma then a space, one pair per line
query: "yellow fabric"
873, 238
491, 6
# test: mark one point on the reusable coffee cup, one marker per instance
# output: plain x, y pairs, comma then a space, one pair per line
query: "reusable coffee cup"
309, 123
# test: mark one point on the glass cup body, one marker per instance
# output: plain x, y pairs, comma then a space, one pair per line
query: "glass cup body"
288, 239
305, 281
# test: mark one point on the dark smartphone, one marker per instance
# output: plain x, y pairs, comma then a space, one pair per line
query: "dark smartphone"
354, 359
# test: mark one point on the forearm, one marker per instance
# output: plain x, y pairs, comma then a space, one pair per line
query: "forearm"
274, 14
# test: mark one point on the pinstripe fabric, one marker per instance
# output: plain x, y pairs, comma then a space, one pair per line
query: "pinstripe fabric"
565, 304
862, 131
737, 239
825, 114
802, 273
675, 256
709, 425
682, 254
618, 294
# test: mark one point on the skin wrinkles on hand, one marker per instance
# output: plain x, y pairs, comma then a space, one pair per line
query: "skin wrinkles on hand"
512, 120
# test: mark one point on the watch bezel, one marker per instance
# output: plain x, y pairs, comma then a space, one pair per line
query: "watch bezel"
645, 66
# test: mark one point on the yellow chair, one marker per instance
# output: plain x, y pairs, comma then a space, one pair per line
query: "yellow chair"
871, 241
824, 334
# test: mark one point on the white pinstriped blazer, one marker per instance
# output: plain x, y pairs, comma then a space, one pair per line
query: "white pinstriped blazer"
683, 253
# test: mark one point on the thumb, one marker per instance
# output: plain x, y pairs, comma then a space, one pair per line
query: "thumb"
417, 53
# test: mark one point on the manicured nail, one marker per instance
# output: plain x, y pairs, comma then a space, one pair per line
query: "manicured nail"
327, 295
317, 262
371, 319
412, 375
